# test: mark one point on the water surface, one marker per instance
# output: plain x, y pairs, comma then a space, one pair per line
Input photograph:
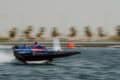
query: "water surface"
92, 64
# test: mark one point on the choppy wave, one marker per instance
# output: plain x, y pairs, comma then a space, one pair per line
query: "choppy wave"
91, 64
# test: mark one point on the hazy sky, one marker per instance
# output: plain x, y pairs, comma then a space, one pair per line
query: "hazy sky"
61, 13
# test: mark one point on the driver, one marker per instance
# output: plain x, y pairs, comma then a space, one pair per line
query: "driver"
38, 47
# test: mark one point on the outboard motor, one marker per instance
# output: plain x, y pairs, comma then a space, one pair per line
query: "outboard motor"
56, 45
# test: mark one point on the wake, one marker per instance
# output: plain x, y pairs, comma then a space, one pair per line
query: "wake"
6, 57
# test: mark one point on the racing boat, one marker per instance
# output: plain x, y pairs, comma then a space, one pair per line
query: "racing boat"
39, 54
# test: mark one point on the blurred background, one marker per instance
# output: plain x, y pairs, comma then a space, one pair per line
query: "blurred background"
79, 20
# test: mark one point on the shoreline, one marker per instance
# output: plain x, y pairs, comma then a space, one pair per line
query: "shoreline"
63, 44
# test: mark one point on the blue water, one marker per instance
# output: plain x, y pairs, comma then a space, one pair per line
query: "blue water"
91, 64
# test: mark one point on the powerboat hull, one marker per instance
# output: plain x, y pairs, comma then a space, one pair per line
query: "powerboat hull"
39, 56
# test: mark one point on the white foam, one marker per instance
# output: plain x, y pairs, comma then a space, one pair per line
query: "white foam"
5, 46
6, 57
